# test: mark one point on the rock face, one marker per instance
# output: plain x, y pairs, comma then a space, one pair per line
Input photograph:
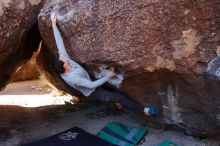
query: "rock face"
19, 35
138, 35
162, 47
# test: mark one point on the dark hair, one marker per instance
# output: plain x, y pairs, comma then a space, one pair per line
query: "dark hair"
57, 66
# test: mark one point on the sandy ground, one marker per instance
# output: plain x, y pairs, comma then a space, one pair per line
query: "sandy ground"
34, 115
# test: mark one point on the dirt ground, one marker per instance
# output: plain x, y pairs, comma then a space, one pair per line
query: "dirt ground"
29, 115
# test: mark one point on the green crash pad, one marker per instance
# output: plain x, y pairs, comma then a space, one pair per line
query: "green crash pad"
122, 135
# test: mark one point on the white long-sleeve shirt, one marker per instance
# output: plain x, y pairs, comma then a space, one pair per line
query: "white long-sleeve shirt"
78, 77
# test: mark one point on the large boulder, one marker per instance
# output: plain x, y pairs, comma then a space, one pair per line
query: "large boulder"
162, 47
19, 35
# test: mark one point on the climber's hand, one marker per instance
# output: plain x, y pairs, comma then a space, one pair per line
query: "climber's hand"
110, 73
53, 18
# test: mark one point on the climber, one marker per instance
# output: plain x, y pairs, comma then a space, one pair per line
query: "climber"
77, 77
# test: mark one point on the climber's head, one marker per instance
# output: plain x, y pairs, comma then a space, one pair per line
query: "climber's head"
60, 66
66, 65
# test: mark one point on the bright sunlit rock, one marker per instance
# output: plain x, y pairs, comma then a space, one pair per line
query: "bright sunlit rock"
25, 94
33, 100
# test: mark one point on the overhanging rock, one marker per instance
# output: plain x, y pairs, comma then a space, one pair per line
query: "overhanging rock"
162, 47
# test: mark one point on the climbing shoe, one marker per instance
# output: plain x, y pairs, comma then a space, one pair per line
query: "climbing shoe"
151, 111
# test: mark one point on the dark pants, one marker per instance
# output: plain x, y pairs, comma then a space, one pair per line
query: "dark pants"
104, 95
